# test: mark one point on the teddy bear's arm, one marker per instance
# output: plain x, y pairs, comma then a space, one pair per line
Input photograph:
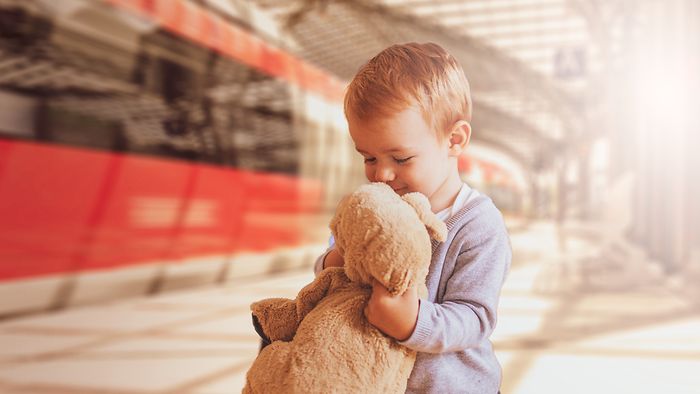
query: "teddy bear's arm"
277, 317
280, 317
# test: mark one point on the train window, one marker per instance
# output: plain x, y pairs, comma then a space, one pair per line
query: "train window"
79, 129
162, 96
17, 114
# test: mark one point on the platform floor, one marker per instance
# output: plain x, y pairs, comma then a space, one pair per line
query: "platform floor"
562, 329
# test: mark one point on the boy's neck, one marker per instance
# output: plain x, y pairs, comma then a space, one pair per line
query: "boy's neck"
447, 193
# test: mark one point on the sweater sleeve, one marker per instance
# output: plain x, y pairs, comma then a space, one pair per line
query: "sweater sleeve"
318, 265
467, 314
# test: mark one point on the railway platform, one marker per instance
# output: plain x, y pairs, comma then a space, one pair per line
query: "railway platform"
562, 328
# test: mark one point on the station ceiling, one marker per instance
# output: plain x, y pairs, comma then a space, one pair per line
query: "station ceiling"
530, 62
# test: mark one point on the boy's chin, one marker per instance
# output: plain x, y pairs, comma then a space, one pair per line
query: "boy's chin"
401, 191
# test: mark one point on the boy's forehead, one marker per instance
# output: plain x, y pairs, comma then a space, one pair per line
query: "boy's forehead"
408, 117
369, 122
383, 141
395, 132
390, 149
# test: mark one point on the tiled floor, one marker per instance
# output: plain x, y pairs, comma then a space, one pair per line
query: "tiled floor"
559, 332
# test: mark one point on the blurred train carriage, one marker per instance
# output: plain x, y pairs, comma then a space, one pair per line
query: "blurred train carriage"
147, 145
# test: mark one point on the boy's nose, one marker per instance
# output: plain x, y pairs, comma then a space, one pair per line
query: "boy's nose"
384, 174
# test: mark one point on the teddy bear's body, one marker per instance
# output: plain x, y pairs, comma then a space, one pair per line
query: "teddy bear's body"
321, 341
334, 336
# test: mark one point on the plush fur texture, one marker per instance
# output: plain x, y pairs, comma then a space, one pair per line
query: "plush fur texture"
321, 341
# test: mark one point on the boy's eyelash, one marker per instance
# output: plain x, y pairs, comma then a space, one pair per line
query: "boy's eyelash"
400, 161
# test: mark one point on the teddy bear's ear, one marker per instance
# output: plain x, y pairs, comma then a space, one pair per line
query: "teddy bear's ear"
436, 227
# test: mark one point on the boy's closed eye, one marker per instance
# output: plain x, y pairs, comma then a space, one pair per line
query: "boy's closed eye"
372, 160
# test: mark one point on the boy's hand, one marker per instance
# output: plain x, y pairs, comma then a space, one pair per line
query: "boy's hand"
333, 259
395, 316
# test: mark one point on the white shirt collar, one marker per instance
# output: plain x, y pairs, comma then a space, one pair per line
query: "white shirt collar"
465, 195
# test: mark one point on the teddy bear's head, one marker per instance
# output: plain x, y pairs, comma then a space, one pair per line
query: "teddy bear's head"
385, 236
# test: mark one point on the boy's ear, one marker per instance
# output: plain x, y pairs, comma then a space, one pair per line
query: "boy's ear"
459, 137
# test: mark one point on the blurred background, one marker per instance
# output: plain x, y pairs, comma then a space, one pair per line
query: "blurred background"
163, 163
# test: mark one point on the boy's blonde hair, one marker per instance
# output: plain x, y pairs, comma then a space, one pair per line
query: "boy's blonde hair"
409, 74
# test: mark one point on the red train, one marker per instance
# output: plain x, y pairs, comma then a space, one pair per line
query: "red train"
146, 145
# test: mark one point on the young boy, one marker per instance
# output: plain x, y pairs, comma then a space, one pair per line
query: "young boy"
408, 111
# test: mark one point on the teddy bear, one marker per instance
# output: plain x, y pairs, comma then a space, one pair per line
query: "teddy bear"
321, 341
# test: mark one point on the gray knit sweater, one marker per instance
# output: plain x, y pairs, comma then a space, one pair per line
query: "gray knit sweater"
454, 324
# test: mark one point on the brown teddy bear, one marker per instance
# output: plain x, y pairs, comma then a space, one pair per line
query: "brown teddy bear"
321, 341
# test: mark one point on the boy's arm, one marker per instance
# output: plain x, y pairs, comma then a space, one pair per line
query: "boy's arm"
394, 315
279, 317
318, 265
467, 314
331, 258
